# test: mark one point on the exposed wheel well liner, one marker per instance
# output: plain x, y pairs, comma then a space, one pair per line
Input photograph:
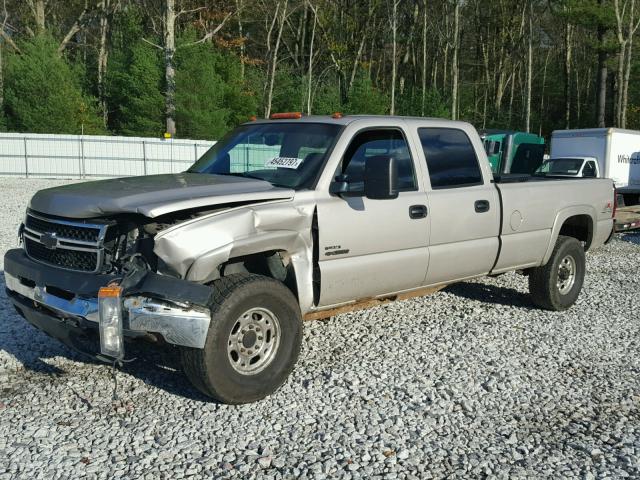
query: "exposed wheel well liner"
273, 264
579, 227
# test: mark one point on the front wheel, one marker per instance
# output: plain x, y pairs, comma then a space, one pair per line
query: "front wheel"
556, 285
253, 340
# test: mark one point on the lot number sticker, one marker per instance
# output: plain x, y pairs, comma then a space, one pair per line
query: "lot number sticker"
284, 162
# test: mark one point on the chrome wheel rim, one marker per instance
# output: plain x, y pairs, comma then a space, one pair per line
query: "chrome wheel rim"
566, 274
253, 341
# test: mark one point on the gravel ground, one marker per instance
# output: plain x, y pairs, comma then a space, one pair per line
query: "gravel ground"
470, 382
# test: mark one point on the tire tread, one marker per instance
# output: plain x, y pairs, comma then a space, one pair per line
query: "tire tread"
541, 278
194, 359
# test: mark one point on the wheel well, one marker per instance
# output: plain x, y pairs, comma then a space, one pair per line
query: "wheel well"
274, 264
579, 227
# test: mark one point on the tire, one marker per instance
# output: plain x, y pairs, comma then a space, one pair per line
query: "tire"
269, 315
550, 285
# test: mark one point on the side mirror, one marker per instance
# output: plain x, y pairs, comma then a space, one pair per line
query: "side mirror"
340, 186
381, 178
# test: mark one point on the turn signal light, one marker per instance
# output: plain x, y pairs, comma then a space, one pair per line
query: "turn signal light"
110, 312
285, 116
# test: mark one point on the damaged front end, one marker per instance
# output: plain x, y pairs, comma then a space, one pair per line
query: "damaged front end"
129, 275
57, 283
67, 306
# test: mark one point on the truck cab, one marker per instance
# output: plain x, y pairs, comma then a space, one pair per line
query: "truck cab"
511, 152
586, 167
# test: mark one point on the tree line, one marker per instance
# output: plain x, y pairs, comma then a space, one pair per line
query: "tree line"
197, 68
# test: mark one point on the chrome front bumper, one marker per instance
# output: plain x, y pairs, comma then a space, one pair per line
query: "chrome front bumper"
178, 324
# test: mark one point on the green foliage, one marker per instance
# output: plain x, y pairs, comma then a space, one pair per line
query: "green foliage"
326, 98
289, 91
134, 82
210, 97
364, 98
43, 94
410, 103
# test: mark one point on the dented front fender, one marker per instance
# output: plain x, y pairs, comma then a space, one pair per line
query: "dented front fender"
195, 249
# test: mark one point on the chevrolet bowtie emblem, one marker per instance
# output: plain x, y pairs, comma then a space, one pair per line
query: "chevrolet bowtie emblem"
49, 240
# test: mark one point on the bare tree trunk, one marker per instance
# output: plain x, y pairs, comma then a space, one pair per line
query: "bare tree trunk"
274, 58
487, 81
241, 34
424, 57
627, 73
38, 8
103, 56
394, 65
169, 67
310, 72
601, 100
511, 90
625, 85
544, 85
527, 120
356, 62
1, 77
454, 62
578, 98
408, 47
567, 75
622, 42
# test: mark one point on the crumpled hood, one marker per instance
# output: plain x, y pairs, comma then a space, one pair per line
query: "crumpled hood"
152, 195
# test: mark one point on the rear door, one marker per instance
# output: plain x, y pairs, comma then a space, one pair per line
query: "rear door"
464, 206
373, 247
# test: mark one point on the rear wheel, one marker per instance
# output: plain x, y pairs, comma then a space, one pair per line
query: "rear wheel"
556, 285
253, 340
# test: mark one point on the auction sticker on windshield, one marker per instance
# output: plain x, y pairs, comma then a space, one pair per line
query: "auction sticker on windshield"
284, 162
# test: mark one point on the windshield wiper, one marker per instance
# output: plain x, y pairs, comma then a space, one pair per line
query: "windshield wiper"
241, 174
254, 177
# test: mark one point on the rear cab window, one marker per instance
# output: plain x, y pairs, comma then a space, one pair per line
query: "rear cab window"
451, 159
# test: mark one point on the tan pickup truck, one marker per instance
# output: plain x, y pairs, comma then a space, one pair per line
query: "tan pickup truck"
285, 219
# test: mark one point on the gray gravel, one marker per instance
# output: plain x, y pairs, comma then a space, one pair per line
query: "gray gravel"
470, 382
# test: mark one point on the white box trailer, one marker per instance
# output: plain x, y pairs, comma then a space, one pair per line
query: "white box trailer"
617, 151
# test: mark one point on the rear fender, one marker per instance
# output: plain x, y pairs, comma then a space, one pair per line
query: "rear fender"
562, 217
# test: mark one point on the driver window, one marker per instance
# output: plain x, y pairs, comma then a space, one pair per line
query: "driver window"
371, 143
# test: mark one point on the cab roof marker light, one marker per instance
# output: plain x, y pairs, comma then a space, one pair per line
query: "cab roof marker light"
286, 116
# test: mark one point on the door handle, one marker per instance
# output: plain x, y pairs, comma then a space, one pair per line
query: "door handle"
482, 206
417, 211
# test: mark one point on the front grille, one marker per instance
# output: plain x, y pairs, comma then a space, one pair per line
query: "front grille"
70, 259
66, 244
71, 232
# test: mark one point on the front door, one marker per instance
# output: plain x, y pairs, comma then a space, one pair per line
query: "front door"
373, 247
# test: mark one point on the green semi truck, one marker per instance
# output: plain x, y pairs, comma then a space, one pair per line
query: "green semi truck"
511, 152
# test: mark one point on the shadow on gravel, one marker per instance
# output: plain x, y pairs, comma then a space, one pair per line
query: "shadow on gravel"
156, 366
633, 237
491, 294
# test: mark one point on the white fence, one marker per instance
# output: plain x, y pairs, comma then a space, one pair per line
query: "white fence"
88, 156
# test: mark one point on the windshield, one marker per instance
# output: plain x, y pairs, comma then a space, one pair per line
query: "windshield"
560, 166
284, 154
